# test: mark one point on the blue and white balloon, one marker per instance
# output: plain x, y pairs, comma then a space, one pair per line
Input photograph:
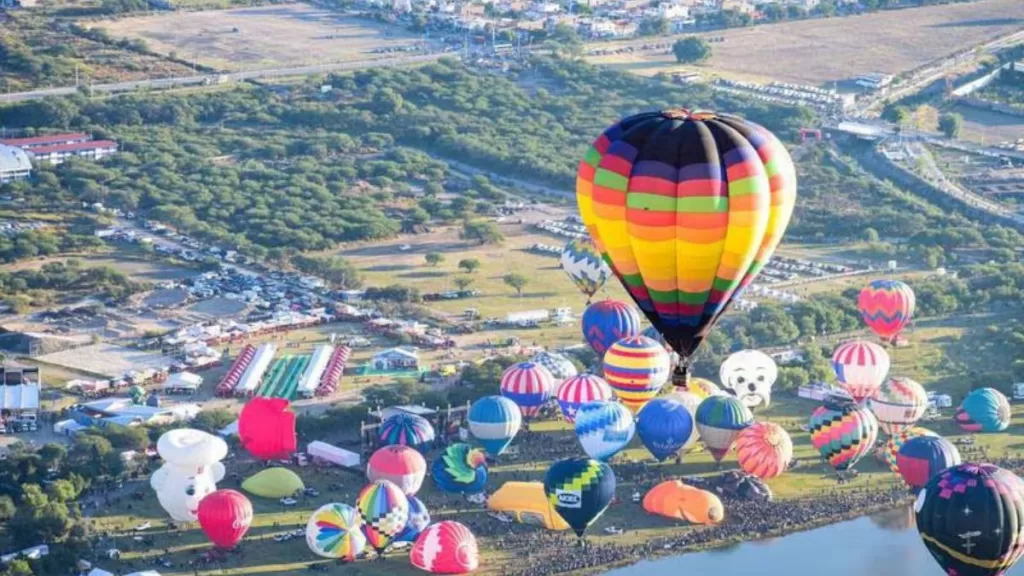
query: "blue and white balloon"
664, 426
604, 428
494, 421
419, 519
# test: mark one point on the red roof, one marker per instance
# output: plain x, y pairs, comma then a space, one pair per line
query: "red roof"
44, 140
75, 147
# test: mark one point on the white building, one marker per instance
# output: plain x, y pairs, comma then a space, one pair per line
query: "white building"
310, 378
874, 80
18, 399
671, 11
14, 164
183, 382
396, 359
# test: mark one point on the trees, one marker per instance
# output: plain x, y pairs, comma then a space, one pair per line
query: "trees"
482, 232
433, 259
951, 124
653, 27
462, 282
337, 271
516, 281
469, 265
899, 115
691, 50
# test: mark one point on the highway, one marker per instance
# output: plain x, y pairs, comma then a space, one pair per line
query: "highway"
199, 80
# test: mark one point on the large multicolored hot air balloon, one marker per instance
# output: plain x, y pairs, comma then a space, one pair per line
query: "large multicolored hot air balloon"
984, 410
686, 207
494, 421
664, 426
604, 428
584, 266
445, 548
335, 531
892, 447
225, 517
970, 518
608, 321
580, 490
886, 307
402, 465
266, 428
860, 367
559, 365
460, 469
925, 456
898, 404
579, 390
419, 518
384, 510
843, 432
407, 430
529, 385
720, 419
636, 368
764, 449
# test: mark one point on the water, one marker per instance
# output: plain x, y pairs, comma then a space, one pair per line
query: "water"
882, 545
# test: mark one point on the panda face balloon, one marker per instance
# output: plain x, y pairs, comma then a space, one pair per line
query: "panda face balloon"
749, 375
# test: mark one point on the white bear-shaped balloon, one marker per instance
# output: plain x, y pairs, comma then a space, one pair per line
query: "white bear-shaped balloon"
749, 375
191, 470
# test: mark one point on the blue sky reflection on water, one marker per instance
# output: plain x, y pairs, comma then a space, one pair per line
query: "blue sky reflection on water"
883, 545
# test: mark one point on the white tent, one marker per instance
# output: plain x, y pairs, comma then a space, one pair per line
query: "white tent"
333, 454
19, 398
183, 381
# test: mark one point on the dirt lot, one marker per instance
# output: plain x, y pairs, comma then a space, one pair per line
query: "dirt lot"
269, 36
825, 50
991, 128
108, 360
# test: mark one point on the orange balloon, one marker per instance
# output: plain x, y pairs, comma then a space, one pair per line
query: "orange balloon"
673, 499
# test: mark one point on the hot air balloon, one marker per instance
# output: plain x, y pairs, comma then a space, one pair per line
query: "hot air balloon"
580, 490
604, 428
636, 368
652, 333
445, 548
686, 207
461, 469
843, 432
664, 426
407, 430
137, 394
701, 387
225, 517
579, 390
559, 366
860, 367
898, 404
690, 401
969, 517
720, 419
984, 410
419, 518
402, 465
335, 531
384, 510
925, 456
678, 501
584, 266
886, 307
529, 385
266, 428
749, 375
273, 482
892, 447
494, 421
608, 321
192, 467
764, 449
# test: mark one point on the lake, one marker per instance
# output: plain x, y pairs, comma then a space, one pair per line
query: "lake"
882, 545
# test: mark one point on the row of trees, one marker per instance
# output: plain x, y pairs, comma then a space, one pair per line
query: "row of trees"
33, 243
66, 278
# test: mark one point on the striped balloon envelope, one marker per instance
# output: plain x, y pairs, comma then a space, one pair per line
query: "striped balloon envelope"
529, 385
447, 547
843, 433
559, 366
636, 368
898, 404
579, 390
720, 419
925, 456
494, 421
407, 430
384, 510
335, 531
608, 321
764, 449
893, 445
860, 367
886, 306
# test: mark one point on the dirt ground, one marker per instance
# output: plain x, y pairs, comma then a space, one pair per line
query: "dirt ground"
267, 36
106, 359
990, 128
822, 51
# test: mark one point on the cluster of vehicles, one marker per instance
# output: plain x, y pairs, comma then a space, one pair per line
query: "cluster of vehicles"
810, 96
25, 422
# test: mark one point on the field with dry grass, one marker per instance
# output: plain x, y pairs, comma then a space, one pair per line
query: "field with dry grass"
821, 51
261, 37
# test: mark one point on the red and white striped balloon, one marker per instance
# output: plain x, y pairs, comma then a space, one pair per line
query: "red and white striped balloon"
860, 367
578, 390
529, 385
445, 548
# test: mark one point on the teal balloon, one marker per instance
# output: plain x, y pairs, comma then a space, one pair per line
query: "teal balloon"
984, 410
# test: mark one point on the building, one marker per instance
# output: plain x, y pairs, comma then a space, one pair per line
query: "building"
873, 80
122, 411
18, 400
14, 164
396, 359
670, 11
57, 148
183, 383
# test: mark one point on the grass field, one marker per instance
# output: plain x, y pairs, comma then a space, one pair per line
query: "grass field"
138, 268
268, 36
821, 51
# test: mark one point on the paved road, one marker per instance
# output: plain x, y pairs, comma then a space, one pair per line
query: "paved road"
180, 81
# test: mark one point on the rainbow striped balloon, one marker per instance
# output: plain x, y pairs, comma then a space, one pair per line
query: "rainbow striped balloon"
335, 531
860, 367
529, 385
764, 449
384, 509
886, 307
898, 404
636, 368
892, 447
579, 390
843, 433
686, 208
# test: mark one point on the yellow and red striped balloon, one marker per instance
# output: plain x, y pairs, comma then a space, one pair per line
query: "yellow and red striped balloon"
764, 449
636, 368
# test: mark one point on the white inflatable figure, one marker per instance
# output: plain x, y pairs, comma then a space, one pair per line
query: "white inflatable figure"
191, 470
749, 375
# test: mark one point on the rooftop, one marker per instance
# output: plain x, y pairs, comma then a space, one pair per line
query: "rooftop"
13, 159
74, 147
22, 397
44, 140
